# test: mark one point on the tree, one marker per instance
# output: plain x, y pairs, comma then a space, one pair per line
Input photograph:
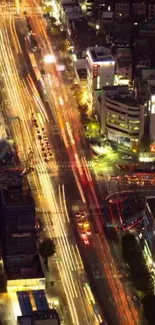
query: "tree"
55, 31
92, 129
68, 62
133, 256
48, 10
52, 20
63, 46
47, 248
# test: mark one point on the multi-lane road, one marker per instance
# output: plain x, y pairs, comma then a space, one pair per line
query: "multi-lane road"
55, 190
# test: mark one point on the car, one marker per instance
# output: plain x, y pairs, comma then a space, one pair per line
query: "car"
84, 237
80, 214
88, 232
80, 223
126, 157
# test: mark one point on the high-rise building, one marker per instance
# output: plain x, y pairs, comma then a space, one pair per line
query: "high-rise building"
101, 67
122, 116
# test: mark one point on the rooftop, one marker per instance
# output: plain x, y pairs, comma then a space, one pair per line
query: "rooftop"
15, 194
122, 94
29, 270
126, 100
49, 317
19, 245
82, 73
80, 25
99, 54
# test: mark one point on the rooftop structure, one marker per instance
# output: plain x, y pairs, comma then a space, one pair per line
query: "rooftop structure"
100, 55
81, 35
49, 317
14, 195
17, 210
101, 67
25, 274
70, 11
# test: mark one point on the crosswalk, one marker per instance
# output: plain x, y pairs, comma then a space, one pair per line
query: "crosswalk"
69, 164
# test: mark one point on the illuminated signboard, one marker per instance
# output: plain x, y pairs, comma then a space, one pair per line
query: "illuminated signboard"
152, 147
95, 70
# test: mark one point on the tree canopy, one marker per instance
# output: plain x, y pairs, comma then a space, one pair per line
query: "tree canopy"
133, 256
47, 248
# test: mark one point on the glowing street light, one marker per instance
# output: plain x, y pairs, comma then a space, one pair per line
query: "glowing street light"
97, 27
49, 58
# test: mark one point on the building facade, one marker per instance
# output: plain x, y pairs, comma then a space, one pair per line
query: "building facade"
101, 67
130, 10
122, 116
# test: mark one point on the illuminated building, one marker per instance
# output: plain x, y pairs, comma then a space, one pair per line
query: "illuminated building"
25, 275
101, 68
122, 116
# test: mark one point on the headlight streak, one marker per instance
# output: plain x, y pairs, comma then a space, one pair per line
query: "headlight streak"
22, 104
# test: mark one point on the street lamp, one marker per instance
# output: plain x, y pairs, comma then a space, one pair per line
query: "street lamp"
49, 59
97, 27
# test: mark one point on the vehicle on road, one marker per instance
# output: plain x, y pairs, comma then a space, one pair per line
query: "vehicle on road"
126, 157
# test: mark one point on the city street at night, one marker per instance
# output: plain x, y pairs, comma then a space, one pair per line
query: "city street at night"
76, 206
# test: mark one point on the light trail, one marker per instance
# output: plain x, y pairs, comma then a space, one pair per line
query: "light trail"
22, 105
125, 313
18, 97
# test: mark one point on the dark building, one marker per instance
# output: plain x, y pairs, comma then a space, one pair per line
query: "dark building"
48, 317
81, 35
17, 211
130, 10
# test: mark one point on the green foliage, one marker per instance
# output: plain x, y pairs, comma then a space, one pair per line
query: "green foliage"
92, 129
133, 256
47, 248
62, 46
52, 20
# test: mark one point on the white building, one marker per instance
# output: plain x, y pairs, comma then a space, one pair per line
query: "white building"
101, 69
122, 116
